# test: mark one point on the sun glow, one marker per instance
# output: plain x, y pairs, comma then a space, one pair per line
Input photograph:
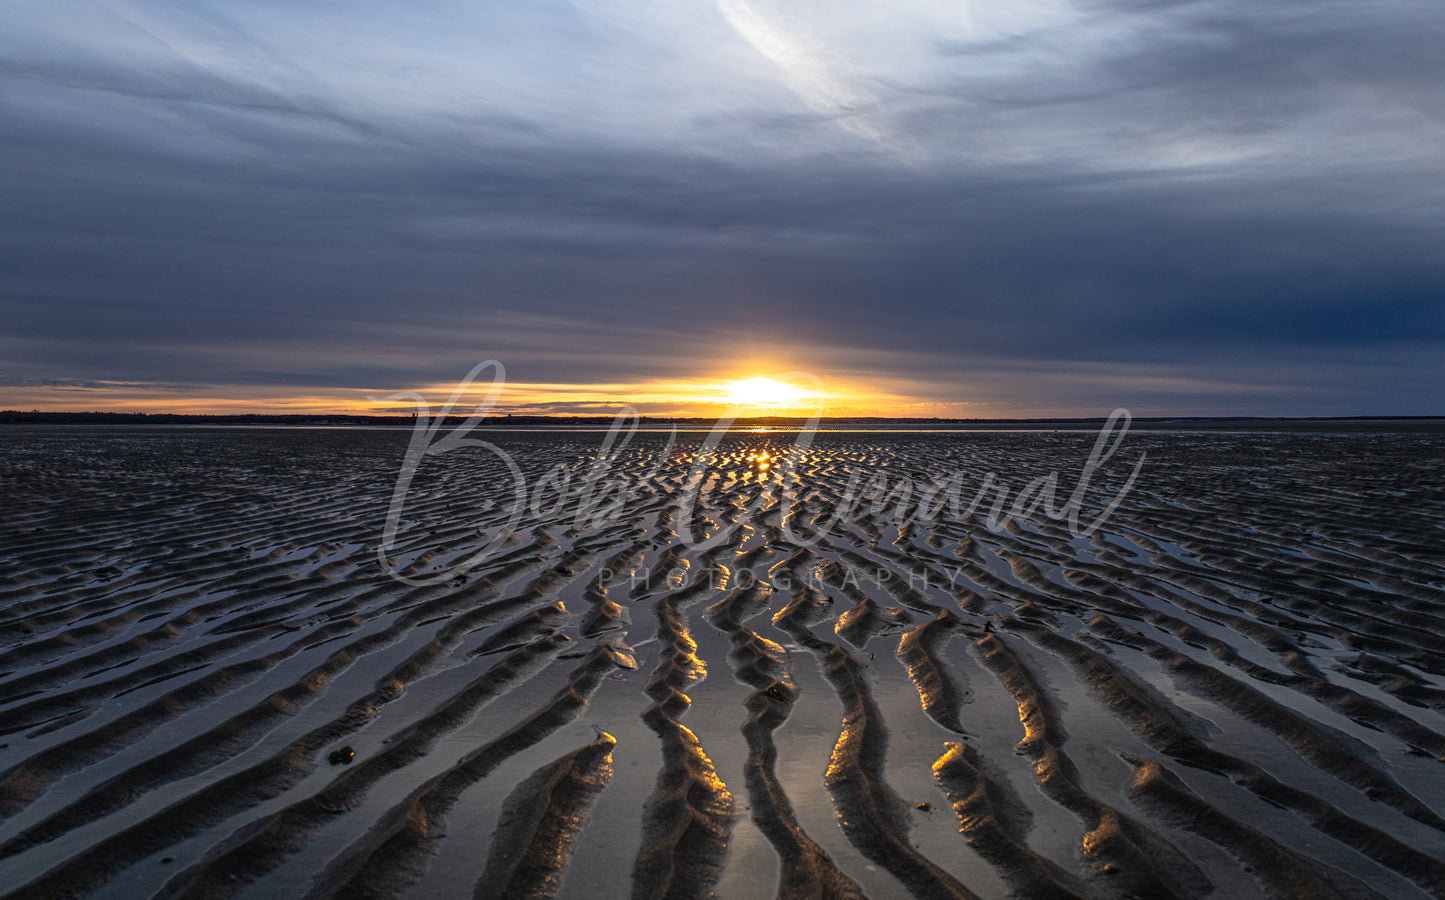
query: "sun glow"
767, 393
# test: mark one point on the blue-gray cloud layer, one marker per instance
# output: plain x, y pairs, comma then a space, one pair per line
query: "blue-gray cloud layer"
1211, 206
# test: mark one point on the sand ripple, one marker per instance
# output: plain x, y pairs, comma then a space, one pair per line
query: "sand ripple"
209, 687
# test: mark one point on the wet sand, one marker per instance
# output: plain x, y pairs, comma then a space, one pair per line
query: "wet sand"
210, 687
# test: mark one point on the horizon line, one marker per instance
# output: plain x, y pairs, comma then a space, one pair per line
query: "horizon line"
34, 416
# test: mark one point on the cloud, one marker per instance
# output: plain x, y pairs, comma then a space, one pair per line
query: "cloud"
1199, 206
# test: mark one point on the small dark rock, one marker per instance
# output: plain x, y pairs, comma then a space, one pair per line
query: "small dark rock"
342, 757
923, 806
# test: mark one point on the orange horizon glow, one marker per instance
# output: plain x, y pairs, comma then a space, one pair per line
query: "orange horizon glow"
752, 395
747, 395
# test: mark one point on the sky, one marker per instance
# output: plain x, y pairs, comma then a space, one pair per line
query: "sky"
975, 209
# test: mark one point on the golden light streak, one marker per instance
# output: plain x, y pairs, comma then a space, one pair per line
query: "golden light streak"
747, 394
757, 395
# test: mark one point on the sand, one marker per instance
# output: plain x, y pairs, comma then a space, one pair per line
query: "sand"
729, 685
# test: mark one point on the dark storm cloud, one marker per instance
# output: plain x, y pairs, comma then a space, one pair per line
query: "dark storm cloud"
1195, 207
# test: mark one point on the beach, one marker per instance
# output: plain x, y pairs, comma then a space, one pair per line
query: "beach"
253, 662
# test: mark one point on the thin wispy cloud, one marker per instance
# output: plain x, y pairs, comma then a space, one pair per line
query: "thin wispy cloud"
804, 66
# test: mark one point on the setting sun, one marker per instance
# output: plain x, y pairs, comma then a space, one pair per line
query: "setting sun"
767, 392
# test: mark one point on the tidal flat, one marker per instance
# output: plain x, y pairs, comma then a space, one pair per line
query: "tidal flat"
670, 667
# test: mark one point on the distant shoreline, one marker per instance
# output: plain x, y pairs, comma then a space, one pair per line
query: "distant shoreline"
1148, 423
